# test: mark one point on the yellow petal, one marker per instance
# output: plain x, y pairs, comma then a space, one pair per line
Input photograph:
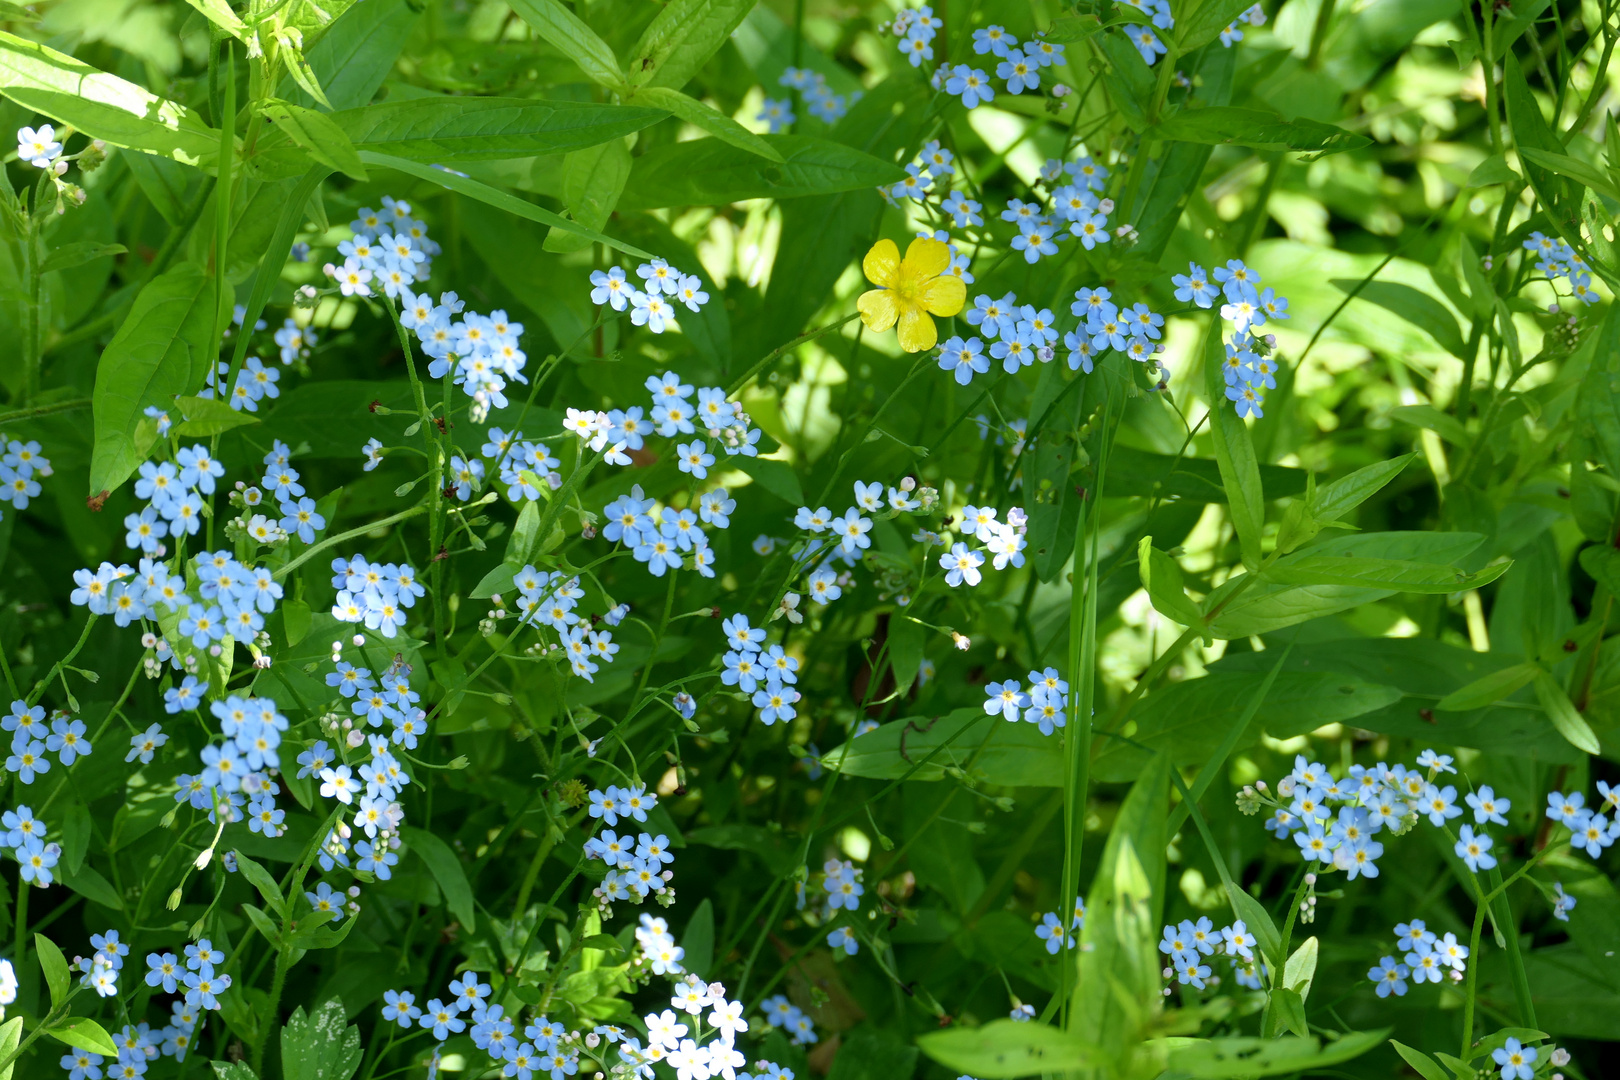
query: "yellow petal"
944, 295
927, 258
917, 331
878, 307
882, 264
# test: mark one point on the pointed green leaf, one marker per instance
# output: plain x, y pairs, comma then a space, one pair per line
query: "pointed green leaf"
1563, 714
317, 133
55, 966
1008, 1049
1489, 689
445, 866
568, 32
85, 1034
713, 121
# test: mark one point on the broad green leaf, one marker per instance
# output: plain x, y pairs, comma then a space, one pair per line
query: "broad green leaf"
1189, 719
220, 14
713, 121
1140, 472
354, 57
557, 24
318, 133
85, 1034
1530, 131
55, 966
229, 1070
525, 536
1072, 28
1300, 971
264, 881
265, 925
681, 38
1007, 1050
776, 477
1563, 714
593, 180
445, 866
1424, 1065
162, 349
321, 1045
10, 1036
1234, 453
1489, 689
208, 416
448, 130
1269, 605
1432, 419
501, 200
1205, 22
708, 172
1224, 125
698, 939
1161, 577
1118, 994
986, 747
1255, 917
69, 256
1246, 1056
1395, 575
1574, 169
1415, 306
1602, 562
101, 105
1288, 1011
88, 882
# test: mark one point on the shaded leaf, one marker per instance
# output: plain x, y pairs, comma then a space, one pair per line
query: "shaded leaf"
445, 866
707, 172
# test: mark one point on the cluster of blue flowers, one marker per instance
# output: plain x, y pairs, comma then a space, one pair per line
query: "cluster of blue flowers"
393, 702
203, 983
548, 599
819, 100
637, 865
652, 305
1249, 367
138, 1045
377, 594
30, 740
1590, 831
782, 1013
19, 467
236, 773
388, 251
1004, 541
769, 675
1424, 958
1018, 66
294, 342
1043, 705
1557, 260
1187, 943
374, 794
1151, 48
22, 834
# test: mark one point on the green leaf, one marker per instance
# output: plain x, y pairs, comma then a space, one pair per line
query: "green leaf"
1428, 417
1234, 454
1072, 28
220, 14
446, 869
1118, 993
1007, 1049
354, 57
498, 580
1490, 689
1424, 1065
1530, 131
681, 38
708, 172
295, 616
264, 881
1300, 971
68, 256
776, 477
1574, 169
1228, 125
1395, 575
101, 105
55, 966
162, 349
320, 1046
85, 1034
1289, 1011
593, 180
525, 535
318, 133
501, 200
1205, 22
263, 924
1563, 714
1255, 917
568, 32
230, 1070
1246, 1056
1140, 472
698, 940
1269, 605
608, 944
88, 883
1161, 577
1415, 306
713, 121
988, 748
208, 416
10, 1036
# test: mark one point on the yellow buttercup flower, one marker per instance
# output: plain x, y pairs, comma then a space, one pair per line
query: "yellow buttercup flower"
910, 290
